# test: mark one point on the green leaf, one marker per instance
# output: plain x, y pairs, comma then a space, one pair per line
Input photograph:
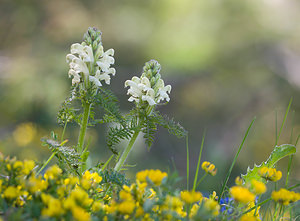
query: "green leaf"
277, 154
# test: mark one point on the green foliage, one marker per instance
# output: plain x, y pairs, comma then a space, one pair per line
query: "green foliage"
109, 103
68, 157
172, 126
277, 154
149, 129
150, 123
113, 177
115, 135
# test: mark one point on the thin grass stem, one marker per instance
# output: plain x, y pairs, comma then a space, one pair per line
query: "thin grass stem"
107, 162
199, 160
187, 162
234, 160
283, 122
46, 163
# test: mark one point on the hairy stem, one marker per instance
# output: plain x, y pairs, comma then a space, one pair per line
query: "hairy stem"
83, 126
127, 150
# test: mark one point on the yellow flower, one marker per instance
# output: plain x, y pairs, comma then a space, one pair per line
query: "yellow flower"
61, 191
53, 172
258, 187
241, 194
85, 183
270, 174
11, 192
139, 211
190, 196
126, 207
238, 181
110, 208
194, 210
285, 197
81, 197
124, 195
71, 180
212, 206
36, 184
96, 206
252, 212
248, 218
18, 165
209, 168
173, 203
80, 214
28, 166
156, 176
54, 206
92, 176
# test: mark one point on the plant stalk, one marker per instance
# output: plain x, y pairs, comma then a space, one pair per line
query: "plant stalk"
84, 123
46, 163
127, 150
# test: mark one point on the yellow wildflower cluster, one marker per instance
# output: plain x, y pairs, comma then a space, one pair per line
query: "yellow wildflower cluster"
258, 187
24, 134
190, 196
149, 198
285, 196
209, 168
156, 176
246, 217
241, 194
270, 174
60, 196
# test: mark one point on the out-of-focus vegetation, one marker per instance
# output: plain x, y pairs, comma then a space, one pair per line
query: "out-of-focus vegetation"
227, 61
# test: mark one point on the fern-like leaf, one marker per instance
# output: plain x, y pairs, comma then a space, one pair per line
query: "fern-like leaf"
115, 135
172, 126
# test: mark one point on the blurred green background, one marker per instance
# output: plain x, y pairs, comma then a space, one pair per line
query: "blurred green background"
227, 61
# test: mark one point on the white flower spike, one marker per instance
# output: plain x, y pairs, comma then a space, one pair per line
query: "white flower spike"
149, 87
89, 62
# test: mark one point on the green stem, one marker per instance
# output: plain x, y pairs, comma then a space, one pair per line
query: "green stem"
234, 160
123, 158
63, 132
187, 163
199, 159
84, 123
202, 178
46, 163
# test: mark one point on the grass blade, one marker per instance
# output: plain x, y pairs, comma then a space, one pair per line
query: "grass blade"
283, 122
234, 160
187, 163
199, 160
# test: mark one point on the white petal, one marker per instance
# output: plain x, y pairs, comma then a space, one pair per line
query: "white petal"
149, 99
95, 81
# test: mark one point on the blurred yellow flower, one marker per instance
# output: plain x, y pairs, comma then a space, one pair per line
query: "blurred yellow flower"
11, 192
241, 194
248, 218
126, 207
24, 134
285, 197
53, 172
156, 176
258, 187
190, 196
